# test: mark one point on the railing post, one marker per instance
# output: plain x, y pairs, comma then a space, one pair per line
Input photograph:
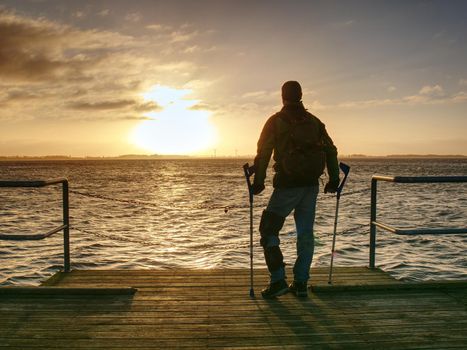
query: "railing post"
66, 229
372, 225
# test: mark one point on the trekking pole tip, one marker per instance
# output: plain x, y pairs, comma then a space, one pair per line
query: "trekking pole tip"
252, 293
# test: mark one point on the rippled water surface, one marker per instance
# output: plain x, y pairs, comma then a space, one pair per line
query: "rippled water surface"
130, 214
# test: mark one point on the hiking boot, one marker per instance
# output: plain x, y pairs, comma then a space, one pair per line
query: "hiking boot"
275, 289
300, 289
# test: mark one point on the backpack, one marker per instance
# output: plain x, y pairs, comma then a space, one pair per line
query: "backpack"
303, 158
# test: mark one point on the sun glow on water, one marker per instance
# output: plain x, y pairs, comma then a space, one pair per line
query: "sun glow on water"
177, 128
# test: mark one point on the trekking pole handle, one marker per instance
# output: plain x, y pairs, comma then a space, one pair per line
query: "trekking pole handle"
345, 169
249, 171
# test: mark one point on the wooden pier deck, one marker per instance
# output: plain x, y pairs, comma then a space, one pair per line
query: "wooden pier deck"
156, 309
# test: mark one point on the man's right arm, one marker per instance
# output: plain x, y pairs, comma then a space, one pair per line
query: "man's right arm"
264, 152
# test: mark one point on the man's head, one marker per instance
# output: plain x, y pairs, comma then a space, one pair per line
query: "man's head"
291, 92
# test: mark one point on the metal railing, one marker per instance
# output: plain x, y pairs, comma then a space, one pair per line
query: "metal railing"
406, 179
66, 217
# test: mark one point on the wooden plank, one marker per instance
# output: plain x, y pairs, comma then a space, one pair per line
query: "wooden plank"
273, 318
154, 305
147, 311
205, 324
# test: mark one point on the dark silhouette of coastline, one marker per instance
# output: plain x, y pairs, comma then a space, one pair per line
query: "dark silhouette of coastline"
157, 156
406, 156
122, 157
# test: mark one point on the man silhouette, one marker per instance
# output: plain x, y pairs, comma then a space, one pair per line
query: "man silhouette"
302, 148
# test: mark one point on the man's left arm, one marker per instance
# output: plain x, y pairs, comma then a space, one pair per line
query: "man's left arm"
331, 162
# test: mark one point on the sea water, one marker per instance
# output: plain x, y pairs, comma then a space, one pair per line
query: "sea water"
194, 213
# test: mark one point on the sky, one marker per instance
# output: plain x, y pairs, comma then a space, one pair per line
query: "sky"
114, 77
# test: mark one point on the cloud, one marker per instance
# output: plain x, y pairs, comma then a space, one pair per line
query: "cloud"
134, 117
197, 48
343, 24
254, 94
24, 48
244, 110
158, 27
79, 14
366, 103
463, 82
115, 104
105, 105
20, 96
315, 105
198, 84
40, 50
192, 49
431, 90
262, 96
180, 36
174, 66
459, 97
155, 27
104, 13
112, 117
202, 107
134, 17
428, 94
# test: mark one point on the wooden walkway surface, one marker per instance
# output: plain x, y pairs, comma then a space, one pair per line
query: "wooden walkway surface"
363, 309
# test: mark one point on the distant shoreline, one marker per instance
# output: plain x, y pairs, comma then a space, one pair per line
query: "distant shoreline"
175, 157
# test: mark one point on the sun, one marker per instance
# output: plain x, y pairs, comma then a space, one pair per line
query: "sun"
178, 129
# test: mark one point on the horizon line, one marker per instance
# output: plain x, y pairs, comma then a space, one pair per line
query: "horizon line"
175, 156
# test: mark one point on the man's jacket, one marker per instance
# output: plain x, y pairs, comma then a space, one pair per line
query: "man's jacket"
274, 139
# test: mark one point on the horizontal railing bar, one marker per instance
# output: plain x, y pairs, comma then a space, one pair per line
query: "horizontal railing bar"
432, 231
31, 183
31, 237
383, 178
385, 226
422, 231
25, 183
420, 179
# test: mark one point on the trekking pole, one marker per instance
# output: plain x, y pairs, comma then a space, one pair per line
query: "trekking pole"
248, 172
345, 169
